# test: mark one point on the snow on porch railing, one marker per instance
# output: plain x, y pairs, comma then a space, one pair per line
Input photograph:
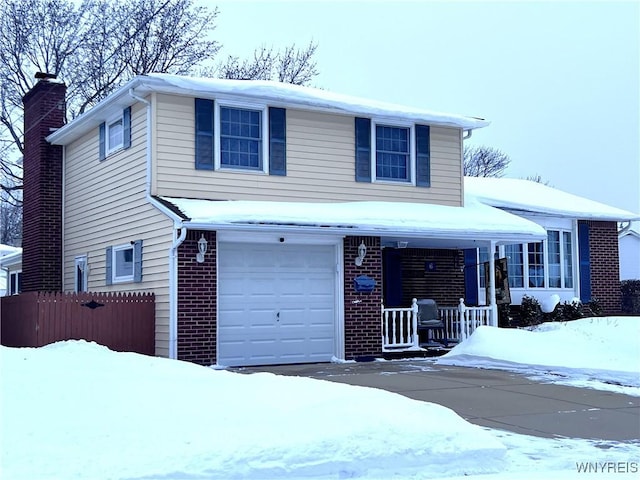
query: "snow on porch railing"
461, 321
400, 328
400, 325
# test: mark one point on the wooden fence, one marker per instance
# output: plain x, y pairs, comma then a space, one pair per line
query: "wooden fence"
122, 322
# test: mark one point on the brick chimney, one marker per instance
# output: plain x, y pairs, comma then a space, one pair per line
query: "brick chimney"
44, 111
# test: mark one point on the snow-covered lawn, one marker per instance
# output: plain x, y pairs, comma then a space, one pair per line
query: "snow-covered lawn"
602, 353
75, 410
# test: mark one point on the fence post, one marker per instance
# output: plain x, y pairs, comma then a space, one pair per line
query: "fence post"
414, 322
464, 324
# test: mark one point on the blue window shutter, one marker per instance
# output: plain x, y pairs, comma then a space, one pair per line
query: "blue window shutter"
471, 276
108, 266
277, 141
126, 127
137, 261
204, 134
423, 162
363, 149
584, 262
102, 154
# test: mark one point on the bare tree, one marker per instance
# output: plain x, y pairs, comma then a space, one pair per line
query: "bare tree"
538, 179
483, 161
95, 46
290, 65
10, 224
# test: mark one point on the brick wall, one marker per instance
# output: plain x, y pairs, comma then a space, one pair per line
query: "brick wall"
44, 110
197, 300
604, 261
362, 311
445, 284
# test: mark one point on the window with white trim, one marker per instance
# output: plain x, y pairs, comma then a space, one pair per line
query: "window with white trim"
124, 263
115, 134
15, 282
547, 264
81, 275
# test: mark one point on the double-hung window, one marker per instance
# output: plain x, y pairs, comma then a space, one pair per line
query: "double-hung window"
515, 265
241, 138
393, 153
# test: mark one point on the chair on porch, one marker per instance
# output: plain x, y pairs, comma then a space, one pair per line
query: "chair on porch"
429, 321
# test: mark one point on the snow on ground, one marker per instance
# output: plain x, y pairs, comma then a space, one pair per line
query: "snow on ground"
602, 353
76, 410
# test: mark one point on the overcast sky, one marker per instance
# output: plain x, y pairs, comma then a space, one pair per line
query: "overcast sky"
559, 81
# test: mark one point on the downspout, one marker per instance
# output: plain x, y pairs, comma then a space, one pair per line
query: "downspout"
177, 238
173, 290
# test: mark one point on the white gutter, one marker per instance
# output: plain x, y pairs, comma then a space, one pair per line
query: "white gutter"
178, 238
442, 234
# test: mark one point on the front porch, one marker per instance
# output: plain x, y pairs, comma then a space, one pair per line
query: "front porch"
403, 330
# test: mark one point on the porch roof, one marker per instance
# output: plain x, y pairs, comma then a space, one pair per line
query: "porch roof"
420, 224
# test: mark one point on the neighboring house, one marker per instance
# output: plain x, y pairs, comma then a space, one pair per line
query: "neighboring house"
10, 270
579, 257
629, 245
270, 220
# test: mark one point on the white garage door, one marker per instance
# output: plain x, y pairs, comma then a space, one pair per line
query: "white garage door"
276, 303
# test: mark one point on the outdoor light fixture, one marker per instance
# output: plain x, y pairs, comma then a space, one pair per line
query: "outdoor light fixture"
202, 249
402, 244
362, 251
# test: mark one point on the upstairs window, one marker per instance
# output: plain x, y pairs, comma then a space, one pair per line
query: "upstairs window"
392, 153
240, 138
115, 134
399, 154
247, 137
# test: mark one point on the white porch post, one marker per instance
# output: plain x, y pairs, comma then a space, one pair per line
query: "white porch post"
492, 283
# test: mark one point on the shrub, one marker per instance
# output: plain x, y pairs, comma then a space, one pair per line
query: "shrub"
530, 312
594, 308
630, 297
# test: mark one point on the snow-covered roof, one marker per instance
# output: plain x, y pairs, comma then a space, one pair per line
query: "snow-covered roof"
274, 93
11, 259
7, 249
393, 219
528, 196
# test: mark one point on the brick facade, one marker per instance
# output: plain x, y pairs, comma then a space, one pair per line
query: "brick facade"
197, 303
362, 311
444, 284
604, 264
44, 110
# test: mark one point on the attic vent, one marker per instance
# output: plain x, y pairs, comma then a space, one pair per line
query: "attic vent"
45, 75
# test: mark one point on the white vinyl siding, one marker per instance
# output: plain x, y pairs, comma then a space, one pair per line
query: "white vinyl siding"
104, 206
320, 152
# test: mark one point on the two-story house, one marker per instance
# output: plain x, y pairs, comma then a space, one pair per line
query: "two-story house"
270, 220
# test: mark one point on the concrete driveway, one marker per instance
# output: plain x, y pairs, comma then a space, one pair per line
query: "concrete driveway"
491, 398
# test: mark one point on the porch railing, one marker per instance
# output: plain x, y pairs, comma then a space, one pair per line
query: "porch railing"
400, 325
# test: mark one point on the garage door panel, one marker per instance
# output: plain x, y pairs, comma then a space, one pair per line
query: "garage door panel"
256, 282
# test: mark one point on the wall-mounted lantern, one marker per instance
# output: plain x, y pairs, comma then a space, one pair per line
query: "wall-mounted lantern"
362, 251
202, 249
